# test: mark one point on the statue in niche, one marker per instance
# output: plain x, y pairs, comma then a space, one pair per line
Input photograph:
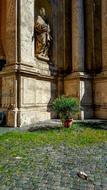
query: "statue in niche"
42, 35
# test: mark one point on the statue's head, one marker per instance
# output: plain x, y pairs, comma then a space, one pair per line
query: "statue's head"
42, 12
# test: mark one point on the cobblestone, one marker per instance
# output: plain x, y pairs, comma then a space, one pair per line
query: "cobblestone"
55, 168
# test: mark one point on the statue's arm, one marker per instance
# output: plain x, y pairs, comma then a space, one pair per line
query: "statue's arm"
41, 27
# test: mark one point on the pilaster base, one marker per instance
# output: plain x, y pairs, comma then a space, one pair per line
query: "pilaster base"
27, 92
30, 116
12, 118
79, 85
100, 95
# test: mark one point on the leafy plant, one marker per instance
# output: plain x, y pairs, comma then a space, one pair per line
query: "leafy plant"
65, 107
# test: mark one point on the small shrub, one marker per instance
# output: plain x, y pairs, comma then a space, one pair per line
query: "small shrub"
65, 107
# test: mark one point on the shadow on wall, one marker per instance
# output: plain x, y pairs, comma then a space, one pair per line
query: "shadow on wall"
86, 99
2, 63
2, 119
48, 7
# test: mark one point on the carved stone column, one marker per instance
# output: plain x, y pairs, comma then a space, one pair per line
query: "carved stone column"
77, 36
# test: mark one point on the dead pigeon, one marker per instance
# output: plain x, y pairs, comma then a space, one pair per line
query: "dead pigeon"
82, 175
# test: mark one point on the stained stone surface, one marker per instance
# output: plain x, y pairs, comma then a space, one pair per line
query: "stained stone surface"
8, 91
36, 96
27, 31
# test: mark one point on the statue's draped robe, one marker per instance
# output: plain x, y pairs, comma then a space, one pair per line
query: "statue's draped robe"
42, 31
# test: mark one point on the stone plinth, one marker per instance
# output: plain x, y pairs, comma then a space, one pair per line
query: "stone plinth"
27, 93
79, 85
36, 95
100, 95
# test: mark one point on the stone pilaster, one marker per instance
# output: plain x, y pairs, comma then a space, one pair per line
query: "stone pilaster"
77, 36
89, 34
104, 35
2, 28
1, 50
100, 81
60, 35
26, 31
8, 73
11, 31
60, 45
78, 84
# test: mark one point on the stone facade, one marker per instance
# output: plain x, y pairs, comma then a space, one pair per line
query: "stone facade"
77, 64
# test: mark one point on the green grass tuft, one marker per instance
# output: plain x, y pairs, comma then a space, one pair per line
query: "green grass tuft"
77, 135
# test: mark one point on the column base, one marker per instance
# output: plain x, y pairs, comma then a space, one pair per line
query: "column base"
79, 85
30, 116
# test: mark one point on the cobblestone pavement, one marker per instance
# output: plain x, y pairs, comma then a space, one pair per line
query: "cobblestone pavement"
55, 168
